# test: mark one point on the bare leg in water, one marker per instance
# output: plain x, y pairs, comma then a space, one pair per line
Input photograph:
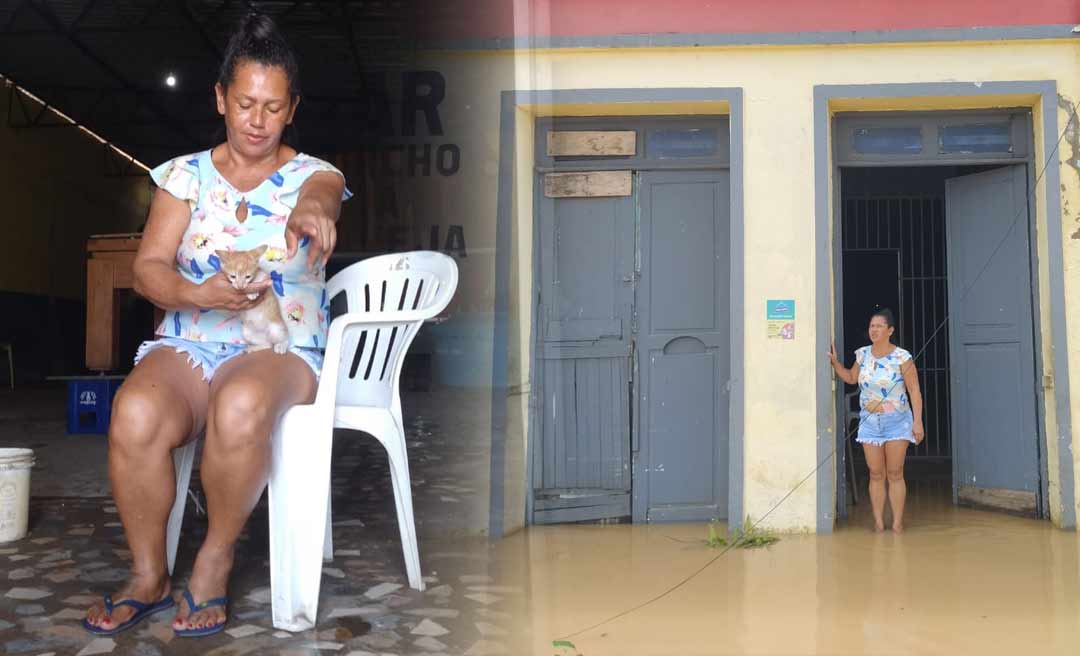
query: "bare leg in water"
895, 452
875, 461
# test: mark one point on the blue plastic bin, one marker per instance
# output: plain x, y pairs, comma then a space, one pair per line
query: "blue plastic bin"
89, 404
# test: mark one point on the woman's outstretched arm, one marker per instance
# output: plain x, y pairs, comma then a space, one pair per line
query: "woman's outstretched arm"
849, 376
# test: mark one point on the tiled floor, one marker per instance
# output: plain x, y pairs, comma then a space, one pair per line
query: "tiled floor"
76, 550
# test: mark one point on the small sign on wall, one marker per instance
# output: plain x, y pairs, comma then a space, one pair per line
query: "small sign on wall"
780, 319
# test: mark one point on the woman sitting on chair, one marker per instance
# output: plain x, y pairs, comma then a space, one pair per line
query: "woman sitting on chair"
888, 395
251, 191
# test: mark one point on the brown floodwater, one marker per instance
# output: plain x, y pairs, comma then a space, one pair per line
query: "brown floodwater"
958, 581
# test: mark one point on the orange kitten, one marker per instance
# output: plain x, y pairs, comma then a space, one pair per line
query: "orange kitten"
263, 326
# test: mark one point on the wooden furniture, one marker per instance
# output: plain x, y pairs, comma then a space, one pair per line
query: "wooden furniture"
109, 269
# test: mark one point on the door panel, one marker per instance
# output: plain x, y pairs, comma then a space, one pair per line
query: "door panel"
589, 413
682, 346
582, 470
587, 299
990, 298
983, 368
683, 394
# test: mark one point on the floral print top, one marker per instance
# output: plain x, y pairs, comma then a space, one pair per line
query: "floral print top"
881, 380
214, 226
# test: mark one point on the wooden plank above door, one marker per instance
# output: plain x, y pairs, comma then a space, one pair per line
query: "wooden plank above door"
592, 184
570, 143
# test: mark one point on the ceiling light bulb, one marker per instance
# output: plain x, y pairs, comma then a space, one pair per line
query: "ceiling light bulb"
171, 80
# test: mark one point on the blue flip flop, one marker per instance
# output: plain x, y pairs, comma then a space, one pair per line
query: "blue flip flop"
206, 630
142, 611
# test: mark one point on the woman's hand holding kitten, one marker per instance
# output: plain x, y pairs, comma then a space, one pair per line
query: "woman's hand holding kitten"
217, 293
263, 324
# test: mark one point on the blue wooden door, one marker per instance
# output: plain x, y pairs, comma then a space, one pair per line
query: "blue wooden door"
682, 341
995, 430
582, 469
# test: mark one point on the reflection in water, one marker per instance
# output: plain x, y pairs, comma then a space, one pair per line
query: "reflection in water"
958, 581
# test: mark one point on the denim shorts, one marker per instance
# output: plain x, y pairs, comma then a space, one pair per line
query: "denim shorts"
211, 355
877, 428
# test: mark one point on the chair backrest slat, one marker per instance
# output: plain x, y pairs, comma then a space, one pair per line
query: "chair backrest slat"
358, 353
404, 292
389, 352
419, 291
371, 359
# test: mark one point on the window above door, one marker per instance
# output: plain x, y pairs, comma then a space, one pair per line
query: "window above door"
895, 138
632, 143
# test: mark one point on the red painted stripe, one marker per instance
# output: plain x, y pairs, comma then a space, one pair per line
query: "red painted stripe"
457, 19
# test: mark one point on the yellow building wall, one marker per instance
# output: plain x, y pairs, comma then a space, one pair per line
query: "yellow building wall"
778, 157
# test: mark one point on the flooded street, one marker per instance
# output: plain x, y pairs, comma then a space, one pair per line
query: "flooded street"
957, 581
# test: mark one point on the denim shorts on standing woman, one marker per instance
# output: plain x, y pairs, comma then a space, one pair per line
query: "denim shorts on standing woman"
877, 428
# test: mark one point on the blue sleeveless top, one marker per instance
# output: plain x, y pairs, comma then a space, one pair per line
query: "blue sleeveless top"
213, 225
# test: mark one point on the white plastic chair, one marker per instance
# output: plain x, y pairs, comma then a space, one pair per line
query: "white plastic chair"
387, 299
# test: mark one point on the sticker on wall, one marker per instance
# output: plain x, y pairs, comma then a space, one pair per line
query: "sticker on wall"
780, 319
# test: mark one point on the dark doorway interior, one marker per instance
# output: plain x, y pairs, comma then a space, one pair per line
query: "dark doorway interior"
894, 255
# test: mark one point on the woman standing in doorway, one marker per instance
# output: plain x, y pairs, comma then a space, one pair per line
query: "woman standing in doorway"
254, 193
890, 415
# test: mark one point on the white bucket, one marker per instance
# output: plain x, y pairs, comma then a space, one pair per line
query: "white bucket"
15, 467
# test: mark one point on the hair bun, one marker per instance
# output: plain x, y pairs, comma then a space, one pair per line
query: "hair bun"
258, 39
259, 27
